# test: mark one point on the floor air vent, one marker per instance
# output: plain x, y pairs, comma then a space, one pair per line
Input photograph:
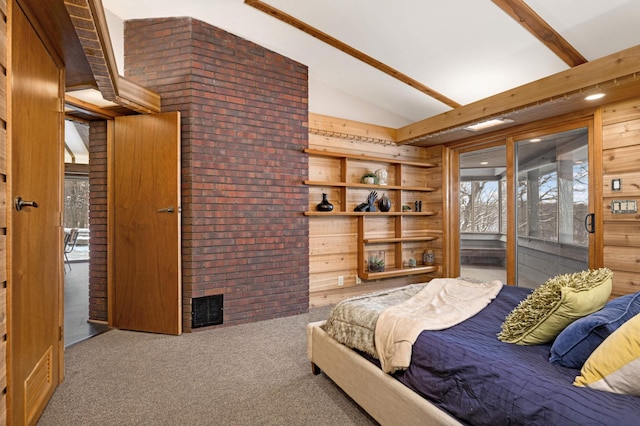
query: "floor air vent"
206, 311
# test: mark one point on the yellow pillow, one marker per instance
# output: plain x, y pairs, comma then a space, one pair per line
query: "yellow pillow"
615, 365
554, 305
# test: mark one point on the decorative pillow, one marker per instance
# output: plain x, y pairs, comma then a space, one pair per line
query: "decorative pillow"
615, 365
575, 343
554, 305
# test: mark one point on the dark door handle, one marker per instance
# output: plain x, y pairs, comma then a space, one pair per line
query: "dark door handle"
590, 223
166, 210
19, 203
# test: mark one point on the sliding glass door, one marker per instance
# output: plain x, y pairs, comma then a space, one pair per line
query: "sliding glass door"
524, 208
552, 205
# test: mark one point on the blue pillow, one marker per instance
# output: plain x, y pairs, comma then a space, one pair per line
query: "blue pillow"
579, 339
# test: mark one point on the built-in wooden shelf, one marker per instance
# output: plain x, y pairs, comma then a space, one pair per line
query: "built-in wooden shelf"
339, 213
400, 168
367, 186
397, 272
397, 240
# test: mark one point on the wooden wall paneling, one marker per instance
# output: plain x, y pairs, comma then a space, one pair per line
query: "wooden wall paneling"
622, 234
620, 156
364, 146
3, 61
622, 258
620, 135
3, 146
3, 212
3, 381
3, 321
621, 160
337, 226
327, 125
323, 245
625, 283
332, 247
3, 272
417, 176
621, 112
325, 169
332, 263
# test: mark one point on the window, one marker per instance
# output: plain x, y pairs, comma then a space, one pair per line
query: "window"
480, 207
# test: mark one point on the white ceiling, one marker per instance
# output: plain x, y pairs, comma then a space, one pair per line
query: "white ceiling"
466, 50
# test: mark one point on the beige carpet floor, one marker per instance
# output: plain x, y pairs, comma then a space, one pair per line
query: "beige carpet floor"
253, 374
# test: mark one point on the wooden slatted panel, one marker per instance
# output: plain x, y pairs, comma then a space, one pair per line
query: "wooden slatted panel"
620, 159
3, 211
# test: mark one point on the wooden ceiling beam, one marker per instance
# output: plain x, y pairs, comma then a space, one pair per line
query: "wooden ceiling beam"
537, 26
614, 71
355, 53
79, 105
90, 23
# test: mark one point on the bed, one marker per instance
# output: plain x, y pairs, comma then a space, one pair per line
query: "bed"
465, 375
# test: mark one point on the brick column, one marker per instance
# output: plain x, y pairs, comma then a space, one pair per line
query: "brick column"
244, 126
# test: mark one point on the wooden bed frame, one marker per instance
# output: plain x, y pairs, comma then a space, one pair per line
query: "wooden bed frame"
387, 400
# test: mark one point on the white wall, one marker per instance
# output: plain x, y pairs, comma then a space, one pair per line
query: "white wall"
323, 98
116, 32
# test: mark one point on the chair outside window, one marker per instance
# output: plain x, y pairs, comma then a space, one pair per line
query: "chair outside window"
70, 240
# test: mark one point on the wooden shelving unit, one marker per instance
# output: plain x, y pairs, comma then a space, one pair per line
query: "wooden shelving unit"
339, 213
398, 241
398, 216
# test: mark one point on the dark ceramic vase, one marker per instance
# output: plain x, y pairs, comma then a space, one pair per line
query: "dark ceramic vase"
325, 205
384, 203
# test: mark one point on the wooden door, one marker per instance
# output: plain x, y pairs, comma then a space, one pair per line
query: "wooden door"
145, 181
35, 288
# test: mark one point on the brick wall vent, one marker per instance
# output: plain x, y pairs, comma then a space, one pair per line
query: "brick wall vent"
207, 311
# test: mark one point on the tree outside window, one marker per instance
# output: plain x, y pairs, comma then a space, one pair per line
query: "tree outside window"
480, 206
76, 202
552, 198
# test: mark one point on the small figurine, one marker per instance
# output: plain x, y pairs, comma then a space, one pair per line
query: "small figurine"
370, 205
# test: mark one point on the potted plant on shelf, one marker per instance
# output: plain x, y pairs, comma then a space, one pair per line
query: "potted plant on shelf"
376, 261
369, 178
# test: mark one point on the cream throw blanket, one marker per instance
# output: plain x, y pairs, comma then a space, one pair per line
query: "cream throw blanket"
443, 303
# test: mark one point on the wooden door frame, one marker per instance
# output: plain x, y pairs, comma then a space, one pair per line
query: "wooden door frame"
110, 220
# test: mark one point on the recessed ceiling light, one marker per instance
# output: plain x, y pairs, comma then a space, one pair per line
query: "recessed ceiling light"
594, 96
534, 140
484, 163
488, 123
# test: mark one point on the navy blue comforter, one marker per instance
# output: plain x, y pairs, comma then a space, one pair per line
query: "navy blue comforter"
469, 373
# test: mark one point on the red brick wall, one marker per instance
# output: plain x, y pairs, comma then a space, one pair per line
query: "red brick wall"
98, 220
244, 125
